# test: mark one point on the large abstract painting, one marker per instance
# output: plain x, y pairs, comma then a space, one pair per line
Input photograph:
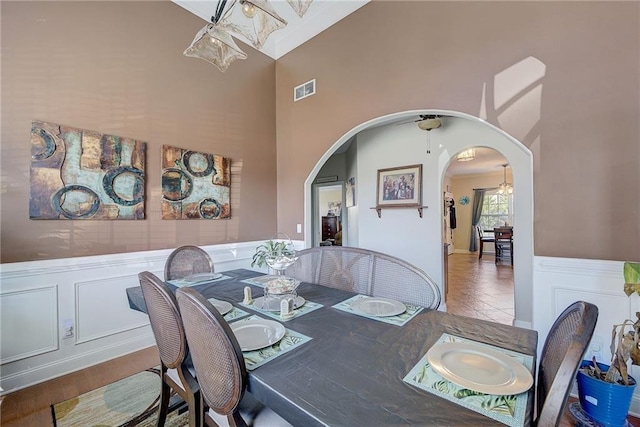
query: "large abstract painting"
83, 174
195, 185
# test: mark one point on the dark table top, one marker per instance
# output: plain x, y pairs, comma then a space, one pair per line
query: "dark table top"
351, 372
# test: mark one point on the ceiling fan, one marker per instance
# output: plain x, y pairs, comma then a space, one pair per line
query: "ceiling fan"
426, 122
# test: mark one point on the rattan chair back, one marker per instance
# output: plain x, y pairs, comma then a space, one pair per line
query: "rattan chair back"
216, 354
366, 272
560, 359
171, 341
187, 260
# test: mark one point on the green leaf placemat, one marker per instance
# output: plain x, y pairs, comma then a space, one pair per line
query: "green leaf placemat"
398, 320
181, 283
234, 314
308, 307
509, 410
256, 358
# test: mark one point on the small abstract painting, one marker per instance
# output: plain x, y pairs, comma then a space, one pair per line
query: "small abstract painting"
83, 174
351, 192
195, 185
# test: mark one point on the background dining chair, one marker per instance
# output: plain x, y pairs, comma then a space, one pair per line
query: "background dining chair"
482, 239
187, 260
177, 373
503, 241
220, 367
561, 355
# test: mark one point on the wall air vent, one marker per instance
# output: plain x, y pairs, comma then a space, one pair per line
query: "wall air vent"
304, 90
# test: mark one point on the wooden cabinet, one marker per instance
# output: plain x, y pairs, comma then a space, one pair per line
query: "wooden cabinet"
329, 227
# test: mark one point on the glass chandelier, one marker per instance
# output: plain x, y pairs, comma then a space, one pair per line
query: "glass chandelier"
253, 19
505, 187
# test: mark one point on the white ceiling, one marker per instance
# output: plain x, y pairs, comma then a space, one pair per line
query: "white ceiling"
487, 160
321, 15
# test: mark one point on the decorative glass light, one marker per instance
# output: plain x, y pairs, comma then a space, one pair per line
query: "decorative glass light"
253, 19
505, 187
300, 6
215, 46
467, 155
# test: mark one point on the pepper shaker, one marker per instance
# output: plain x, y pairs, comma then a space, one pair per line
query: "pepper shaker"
247, 296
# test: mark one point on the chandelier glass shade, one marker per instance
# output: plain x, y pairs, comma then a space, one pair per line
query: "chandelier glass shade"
215, 46
466, 155
253, 19
300, 6
505, 187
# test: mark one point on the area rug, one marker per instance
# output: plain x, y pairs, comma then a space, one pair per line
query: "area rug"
129, 402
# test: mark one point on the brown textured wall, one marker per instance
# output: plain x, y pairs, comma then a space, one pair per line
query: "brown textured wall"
118, 68
397, 56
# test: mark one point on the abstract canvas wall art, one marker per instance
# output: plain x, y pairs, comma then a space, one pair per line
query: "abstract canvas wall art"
195, 185
83, 174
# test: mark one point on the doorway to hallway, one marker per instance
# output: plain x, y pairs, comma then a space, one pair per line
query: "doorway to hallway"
480, 288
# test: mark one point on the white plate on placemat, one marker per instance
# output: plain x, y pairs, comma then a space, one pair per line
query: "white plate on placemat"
256, 334
381, 307
222, 306
201, 277
274, 303
479, 368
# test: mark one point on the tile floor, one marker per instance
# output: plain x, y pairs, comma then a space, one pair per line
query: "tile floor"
481, 288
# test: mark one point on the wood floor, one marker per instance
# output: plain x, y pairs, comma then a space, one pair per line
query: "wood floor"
479, 289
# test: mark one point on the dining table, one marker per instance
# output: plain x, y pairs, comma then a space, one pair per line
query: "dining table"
346, 369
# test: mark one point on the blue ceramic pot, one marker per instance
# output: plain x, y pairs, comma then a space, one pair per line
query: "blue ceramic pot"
604, 402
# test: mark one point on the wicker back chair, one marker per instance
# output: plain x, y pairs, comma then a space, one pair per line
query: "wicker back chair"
220, 366
187, 260
366, 272
561, 355
176, 371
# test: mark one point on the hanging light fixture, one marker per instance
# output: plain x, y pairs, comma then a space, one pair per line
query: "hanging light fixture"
467, 155
215, 45
300, 6
253, 19
505, 187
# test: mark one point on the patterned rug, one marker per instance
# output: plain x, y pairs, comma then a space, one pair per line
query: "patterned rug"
129, 402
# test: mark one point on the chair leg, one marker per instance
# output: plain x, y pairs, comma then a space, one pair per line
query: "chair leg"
195, 409
481, 247
163, 406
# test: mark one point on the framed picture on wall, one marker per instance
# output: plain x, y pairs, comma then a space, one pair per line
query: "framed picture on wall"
401, 186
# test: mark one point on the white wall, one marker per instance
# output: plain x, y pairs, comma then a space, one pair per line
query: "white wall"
400, 231
558, 282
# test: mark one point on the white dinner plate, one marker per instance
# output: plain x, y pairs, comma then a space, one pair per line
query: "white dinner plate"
274, 304
382, 307
256, 334
201, 277
222, 306
479, 368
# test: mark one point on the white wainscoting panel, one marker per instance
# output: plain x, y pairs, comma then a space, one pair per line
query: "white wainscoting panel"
40, 299
28, 323
558, 282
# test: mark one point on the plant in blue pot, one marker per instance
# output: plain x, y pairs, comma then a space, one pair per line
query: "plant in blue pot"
605, 392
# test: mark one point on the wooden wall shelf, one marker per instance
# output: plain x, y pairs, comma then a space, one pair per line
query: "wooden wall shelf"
378, 209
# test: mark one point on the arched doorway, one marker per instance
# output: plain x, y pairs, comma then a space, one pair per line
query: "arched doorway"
457, 130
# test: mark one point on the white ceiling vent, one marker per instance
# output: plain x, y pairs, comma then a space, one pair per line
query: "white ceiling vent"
304, 90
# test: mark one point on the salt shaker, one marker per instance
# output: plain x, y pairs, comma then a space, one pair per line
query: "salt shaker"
247, 296
286, 308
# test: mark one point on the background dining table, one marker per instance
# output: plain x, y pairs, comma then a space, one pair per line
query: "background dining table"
351, 371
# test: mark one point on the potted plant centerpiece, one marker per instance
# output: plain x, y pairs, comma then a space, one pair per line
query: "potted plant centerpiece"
605, 392
276, 253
